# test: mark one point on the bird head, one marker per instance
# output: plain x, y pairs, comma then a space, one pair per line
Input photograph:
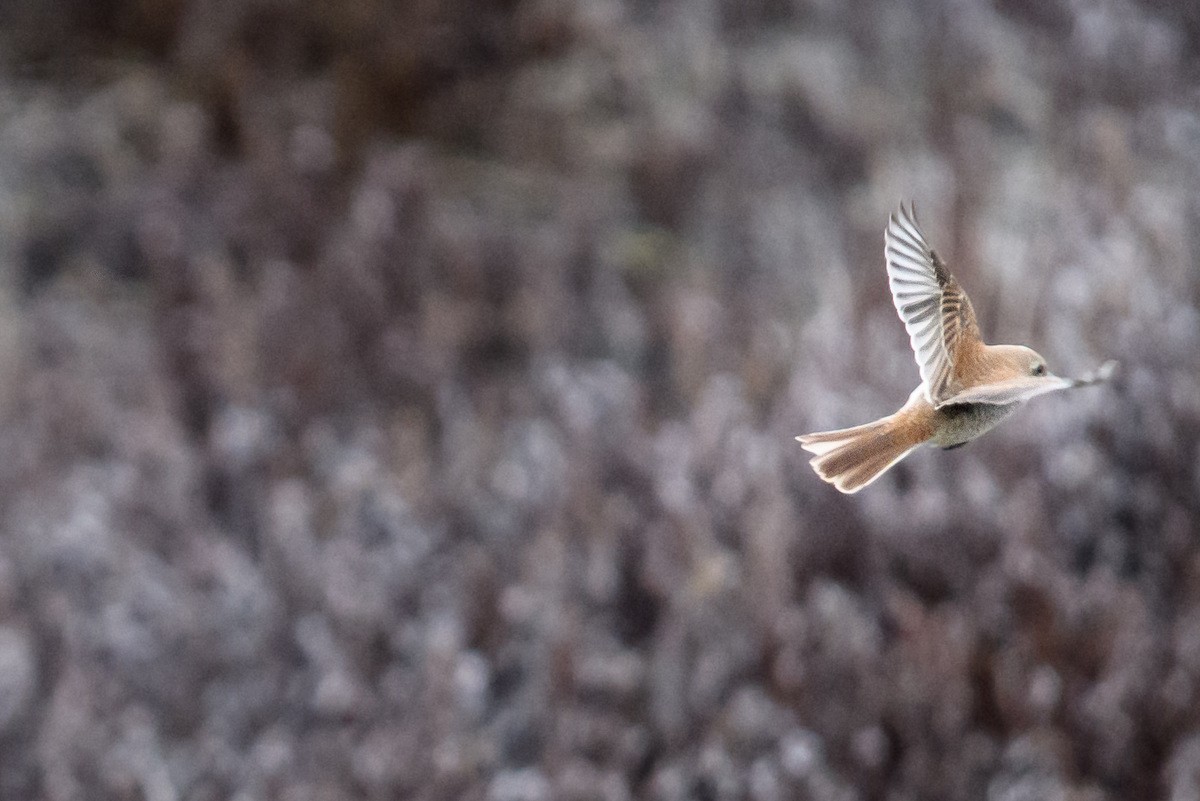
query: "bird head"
1018, 361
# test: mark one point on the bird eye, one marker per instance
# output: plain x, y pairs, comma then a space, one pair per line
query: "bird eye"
1039, 369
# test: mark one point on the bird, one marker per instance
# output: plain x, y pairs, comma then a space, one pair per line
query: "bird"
967, 387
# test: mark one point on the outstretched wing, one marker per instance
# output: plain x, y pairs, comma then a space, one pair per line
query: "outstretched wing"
1014, 390
1022, 388
936, 312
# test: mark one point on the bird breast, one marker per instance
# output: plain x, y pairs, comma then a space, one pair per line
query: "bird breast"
959, 423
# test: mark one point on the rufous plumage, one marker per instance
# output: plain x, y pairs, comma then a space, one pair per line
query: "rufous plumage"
967, 386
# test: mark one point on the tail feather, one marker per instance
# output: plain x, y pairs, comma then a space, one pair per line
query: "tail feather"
852, 458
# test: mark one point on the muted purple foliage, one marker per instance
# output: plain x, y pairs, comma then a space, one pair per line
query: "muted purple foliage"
398, 401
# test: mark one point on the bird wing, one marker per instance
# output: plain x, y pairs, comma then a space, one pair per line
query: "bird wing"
1012, 390
935, 310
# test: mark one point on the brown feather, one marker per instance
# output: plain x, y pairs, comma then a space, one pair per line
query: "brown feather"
867, 451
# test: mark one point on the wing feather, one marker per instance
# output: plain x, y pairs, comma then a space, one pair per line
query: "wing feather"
1013, 390
936, 312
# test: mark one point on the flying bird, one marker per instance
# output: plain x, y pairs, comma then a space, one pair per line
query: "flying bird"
966, 388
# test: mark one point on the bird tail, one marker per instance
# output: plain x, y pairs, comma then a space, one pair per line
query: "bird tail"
852, 458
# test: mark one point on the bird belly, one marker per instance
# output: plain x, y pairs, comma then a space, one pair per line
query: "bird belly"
959, 423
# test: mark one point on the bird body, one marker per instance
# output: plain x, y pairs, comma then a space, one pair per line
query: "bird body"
959, 423
967, 386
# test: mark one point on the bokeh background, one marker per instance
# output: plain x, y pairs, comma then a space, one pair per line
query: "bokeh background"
397, 401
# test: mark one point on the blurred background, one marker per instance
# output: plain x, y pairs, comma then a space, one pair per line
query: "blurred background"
397, 401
